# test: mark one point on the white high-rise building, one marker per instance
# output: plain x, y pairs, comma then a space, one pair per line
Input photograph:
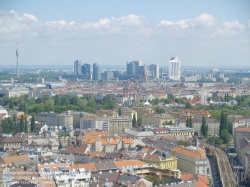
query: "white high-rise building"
174, 69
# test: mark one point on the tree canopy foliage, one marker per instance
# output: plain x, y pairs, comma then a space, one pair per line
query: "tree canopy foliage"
58, 103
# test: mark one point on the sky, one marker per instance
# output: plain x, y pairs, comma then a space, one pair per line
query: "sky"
201, 33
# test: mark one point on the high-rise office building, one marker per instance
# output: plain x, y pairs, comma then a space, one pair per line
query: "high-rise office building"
174, 69
135, 68
86, 69
108, 75
154, 69
96, 72
77, 67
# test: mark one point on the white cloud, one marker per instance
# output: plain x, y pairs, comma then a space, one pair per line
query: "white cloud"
12, 11
30, 16
205, 19
130, 20
234, 25
165, 23
56, 24
183, 23
72, 23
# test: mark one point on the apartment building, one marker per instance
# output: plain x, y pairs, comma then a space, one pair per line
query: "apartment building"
192, 160
128, 112
241, 140
11, 142
241, 122
53, 119
156, 119
94, 122
213, 126
118, 124
197, 113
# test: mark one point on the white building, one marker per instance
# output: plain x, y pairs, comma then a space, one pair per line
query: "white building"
94, 122
174, 69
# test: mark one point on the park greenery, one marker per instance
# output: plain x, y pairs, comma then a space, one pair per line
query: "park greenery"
58, 104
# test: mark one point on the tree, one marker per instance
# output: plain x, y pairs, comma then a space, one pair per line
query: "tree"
223, 122
204, 127
190, 122
159, 110
8, 125
50, 102
187, 122
25, 126
188, 105
74, 100
184, 143
119, 112
139, 121
33, 125
134, 123
225, 136
152, 178
21, 125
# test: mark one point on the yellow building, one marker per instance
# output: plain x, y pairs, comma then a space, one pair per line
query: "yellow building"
156, 119
128, 112
166, 162
142, 110
109, 113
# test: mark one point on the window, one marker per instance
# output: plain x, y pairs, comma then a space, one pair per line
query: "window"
47, 170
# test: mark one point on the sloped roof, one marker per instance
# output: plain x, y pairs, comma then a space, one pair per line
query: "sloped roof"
10, 159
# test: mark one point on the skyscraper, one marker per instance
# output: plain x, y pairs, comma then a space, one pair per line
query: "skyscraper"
86, 69
96, 72
154, 68
77, 67
135, 68
174, 69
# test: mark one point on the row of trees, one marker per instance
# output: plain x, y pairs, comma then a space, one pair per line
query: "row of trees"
15, 126
224, 131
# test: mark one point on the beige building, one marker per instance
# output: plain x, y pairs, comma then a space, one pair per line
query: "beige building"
191, 160
118, 124
213, 126
11, 142
156, 119
128, 112
241, 141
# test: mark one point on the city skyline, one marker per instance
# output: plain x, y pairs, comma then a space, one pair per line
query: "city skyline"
200, 33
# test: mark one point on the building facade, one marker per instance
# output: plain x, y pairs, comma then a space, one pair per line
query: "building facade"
117, 125
96, 72
94, 122
85, 69
77, 67
174, 69
191, 161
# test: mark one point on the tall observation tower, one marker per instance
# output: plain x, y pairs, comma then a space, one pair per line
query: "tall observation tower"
17, 54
